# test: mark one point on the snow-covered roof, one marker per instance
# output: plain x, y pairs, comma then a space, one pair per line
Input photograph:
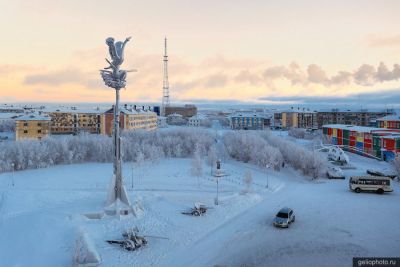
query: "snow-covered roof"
389, 118
298, 111
65, 109
198, 117
33, 117
247, 115
9, 116
354, 110
175, 115
362, 129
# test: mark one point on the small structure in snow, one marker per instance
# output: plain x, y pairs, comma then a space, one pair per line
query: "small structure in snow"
132, 241
198, 210
86, 254
335, 153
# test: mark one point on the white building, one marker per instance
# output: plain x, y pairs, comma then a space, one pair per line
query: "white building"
176, 119
197, 120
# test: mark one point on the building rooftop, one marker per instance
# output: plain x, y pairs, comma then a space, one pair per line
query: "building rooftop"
362, 129
9, 115
33, 117
389, 118
175, 115
198, 117
72, 109
247, 115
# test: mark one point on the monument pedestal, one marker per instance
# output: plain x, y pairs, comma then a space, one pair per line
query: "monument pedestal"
117, 204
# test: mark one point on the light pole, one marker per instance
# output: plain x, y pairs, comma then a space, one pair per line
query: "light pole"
12, 176
216, 202
266, 171
132, 173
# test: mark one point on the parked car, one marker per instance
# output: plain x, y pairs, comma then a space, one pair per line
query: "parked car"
284, 218
335, 173
382, 173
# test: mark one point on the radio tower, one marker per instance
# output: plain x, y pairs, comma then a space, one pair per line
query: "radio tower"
165, 99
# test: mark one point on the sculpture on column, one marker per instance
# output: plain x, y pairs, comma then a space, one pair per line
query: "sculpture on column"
117, 201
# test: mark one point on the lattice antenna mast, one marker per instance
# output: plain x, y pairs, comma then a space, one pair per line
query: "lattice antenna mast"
165, 99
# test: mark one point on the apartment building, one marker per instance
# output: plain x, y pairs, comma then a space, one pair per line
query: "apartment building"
351, 117
32, 126
299, 119
131, 118
389, 122
247, 121
71, 120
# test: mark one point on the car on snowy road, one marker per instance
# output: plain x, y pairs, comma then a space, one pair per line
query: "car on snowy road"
284, 218
334, 172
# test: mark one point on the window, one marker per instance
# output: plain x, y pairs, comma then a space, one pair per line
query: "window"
39, 131
25, 124
39, 124
25, 131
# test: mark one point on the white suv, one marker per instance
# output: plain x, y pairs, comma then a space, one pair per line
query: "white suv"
284, 218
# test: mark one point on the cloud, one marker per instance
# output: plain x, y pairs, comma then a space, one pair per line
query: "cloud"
90, 80
216, 80
7, 68
56, 78
317, 75
365, 75
387, 97
376, 41
245, 76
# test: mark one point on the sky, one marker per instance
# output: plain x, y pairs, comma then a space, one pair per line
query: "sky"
259, 51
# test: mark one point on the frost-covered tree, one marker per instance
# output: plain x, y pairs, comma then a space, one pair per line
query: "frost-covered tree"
297, 133
197, 164
308, 161
247, 180
7, 125
396, 166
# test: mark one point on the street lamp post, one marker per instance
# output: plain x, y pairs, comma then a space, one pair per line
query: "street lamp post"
12, 176
216, 201
266, 168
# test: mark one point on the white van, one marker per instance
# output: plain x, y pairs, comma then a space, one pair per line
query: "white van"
370, 183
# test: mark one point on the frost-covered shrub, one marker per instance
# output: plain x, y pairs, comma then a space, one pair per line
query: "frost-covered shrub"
396, 166
249, 147
307, 161
297, 133
197, 163
247, 180
137, 146
7, 125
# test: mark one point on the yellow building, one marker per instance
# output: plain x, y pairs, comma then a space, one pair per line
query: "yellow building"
72, 120
130, 119
32, 126
299, 119
146, 120
289, 120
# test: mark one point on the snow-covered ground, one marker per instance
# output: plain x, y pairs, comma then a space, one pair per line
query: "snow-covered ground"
42, 213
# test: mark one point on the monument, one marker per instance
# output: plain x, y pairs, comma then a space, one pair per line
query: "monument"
117, 200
